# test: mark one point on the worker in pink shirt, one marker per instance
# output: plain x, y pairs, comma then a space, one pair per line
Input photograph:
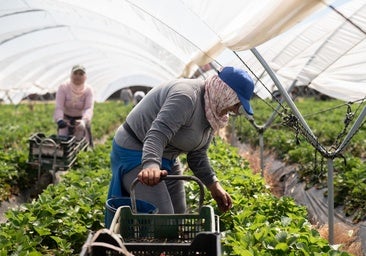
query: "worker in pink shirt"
75, 106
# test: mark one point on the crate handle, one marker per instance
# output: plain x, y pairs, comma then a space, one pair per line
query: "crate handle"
169, 177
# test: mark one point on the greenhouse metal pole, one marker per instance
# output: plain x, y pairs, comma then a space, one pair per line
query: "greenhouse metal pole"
263, 128
313, 138
353, 130
261, 146
287, 97
330, 202
271, 119
345, 142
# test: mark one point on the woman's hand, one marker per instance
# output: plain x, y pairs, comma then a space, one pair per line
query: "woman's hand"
222, 198
151, 176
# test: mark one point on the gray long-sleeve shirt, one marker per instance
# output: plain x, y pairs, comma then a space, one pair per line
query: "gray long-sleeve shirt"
169, 121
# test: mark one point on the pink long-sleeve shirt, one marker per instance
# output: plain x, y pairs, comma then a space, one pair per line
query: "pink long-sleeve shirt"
71, 104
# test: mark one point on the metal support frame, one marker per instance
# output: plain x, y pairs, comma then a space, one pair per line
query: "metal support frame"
262, 128
330, 155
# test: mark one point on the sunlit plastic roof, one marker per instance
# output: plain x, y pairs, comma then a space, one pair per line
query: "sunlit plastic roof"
144, 42
326, 53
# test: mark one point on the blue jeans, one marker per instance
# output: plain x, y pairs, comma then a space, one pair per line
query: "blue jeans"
167, 196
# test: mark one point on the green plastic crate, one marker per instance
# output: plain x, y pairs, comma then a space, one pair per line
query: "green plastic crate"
169, 234
179, 228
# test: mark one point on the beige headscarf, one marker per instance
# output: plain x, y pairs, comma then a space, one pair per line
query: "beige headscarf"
77, 90
218, 96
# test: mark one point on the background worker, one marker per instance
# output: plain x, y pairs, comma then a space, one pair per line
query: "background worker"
75, 106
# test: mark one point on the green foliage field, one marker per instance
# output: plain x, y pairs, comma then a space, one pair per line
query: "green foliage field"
21, 121
59, 220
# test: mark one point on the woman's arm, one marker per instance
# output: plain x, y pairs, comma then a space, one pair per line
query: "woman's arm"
60, 104
198, 162
174, 113
88, 111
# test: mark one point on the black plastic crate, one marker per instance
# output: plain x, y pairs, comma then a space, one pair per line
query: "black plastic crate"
50, 146
53, 151
205, 243
104, 242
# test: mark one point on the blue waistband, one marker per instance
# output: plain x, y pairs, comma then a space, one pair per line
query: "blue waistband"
129, 158
123, 161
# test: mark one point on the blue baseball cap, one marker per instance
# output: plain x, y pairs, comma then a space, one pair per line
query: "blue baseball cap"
240, 81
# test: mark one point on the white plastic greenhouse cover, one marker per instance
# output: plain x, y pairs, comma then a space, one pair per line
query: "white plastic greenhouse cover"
146, 42
327, 54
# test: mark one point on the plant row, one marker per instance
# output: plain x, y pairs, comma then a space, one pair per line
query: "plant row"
60, 219
21, 121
